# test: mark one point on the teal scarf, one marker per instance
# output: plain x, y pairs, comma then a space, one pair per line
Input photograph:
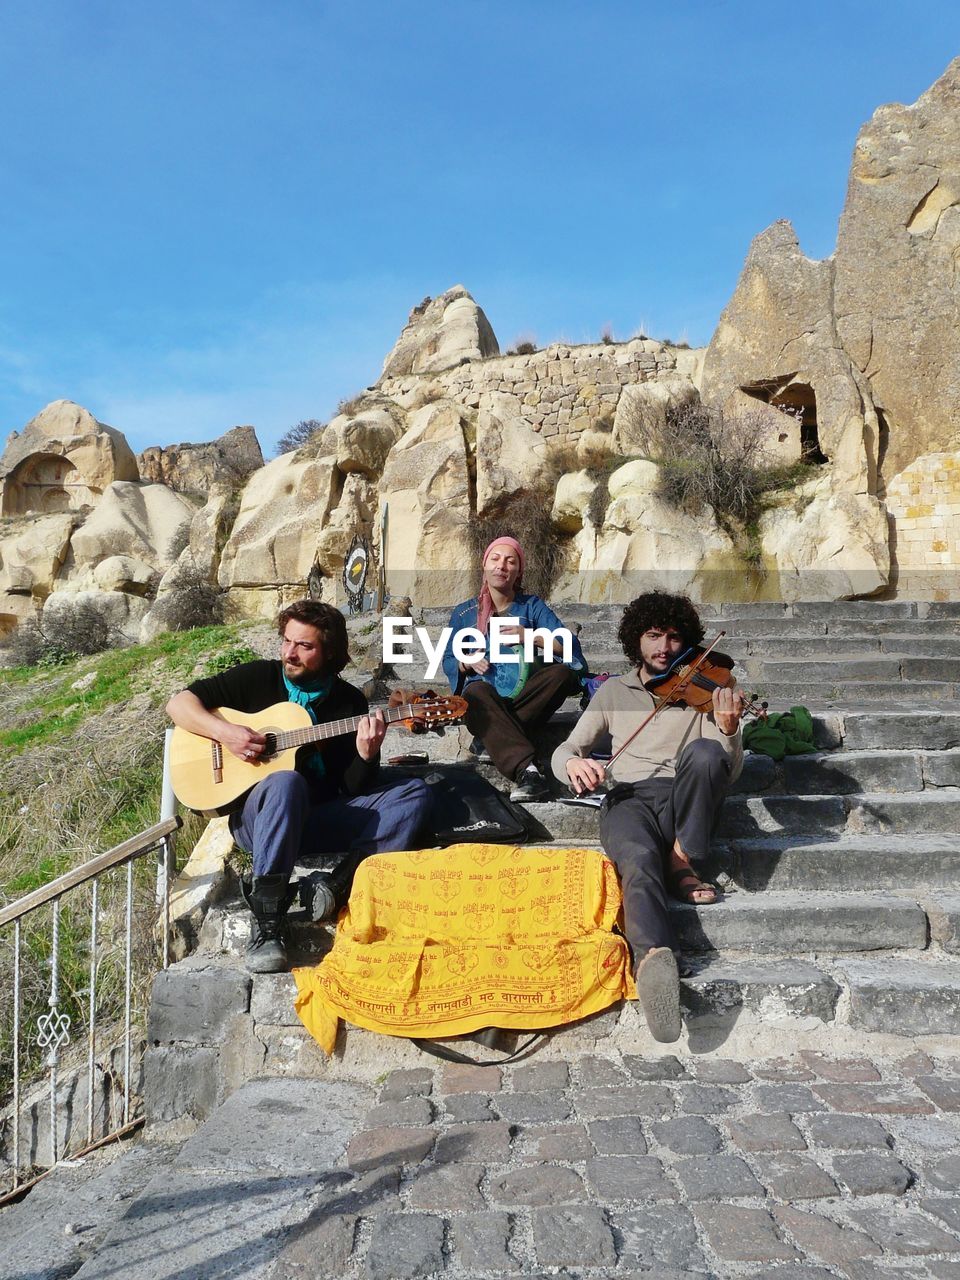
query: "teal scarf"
310, 695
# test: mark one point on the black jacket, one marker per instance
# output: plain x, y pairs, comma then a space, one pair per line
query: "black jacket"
254, 686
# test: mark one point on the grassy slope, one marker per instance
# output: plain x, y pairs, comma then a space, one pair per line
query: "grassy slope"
81, 753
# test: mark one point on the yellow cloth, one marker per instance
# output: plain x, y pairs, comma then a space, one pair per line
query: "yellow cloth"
442, 942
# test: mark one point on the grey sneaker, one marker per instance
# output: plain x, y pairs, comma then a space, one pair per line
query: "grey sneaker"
531, 785
479, 751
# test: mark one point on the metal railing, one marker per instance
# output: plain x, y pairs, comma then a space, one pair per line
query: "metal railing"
53, 1026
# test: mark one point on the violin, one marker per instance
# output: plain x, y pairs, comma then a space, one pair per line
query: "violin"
692, 679
693, 682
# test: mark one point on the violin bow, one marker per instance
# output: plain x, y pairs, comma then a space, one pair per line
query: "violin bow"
664, 702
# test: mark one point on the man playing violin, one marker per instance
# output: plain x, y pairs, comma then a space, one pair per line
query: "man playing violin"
669, 783
331, 802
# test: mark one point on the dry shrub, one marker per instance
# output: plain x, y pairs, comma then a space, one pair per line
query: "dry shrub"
525, 345
298, 435
24, 644
708, 458
350, 406
192, 600
75, 629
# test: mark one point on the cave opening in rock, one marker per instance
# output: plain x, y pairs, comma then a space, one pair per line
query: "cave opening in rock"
43, 484
799, 400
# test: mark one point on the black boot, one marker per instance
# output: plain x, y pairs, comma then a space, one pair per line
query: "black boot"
268, 898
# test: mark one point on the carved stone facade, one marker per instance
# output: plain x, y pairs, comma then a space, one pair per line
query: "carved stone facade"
63, 460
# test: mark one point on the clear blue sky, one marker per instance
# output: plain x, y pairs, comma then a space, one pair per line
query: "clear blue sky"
221, 212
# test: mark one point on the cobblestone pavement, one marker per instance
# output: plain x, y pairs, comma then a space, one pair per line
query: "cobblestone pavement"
808, 1167
595, 1167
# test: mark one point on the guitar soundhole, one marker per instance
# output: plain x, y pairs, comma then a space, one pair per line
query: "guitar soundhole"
270, 749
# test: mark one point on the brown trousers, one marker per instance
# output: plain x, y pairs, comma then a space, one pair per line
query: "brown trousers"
504, 724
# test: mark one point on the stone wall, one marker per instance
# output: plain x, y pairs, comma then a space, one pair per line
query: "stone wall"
561, 390
924, 503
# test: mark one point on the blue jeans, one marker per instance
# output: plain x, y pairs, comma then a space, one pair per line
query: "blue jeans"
279, 823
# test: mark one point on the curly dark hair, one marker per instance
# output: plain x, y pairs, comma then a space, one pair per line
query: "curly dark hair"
331, 625
657, 609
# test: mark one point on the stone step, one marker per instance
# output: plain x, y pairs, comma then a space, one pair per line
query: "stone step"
911, 812
851, 863
749, 952
784, 694
864, 610
819, 647
881, 627
913, 996
791, 922
722, 987
451, 746
768, 661
847, 772
904, 727
907, 812
594, 626
777, 921
781, 694
900, 994
598, 625
896, 725
923, 609
742, 816
828, 773
758, 628
889, 667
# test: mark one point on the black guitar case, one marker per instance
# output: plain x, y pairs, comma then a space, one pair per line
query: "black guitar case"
469, 810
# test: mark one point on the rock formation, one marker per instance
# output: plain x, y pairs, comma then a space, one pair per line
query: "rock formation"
440, 333
863, 350
895, 273
63, 460
228, 461
273, 545
850, 366
777, 345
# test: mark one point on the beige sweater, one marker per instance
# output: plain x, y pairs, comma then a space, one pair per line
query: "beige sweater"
618, 708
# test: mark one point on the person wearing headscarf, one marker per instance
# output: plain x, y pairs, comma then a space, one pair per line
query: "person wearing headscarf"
506, 701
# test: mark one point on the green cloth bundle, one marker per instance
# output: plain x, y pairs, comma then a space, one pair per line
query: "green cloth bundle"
784, 733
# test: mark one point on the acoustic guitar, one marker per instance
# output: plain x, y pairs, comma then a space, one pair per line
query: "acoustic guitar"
210, 779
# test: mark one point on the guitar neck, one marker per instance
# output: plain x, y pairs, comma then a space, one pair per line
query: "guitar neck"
335, 728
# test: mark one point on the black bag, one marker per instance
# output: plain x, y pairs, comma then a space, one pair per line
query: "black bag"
469, 810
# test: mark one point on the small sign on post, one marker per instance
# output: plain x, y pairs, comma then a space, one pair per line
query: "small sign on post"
355, 568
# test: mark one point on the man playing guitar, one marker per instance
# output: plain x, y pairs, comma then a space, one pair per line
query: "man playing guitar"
331, 802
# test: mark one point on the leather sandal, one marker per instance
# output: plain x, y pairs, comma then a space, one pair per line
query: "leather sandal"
683, 882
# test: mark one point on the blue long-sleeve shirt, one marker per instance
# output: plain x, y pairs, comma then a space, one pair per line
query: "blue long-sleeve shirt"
529, 611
